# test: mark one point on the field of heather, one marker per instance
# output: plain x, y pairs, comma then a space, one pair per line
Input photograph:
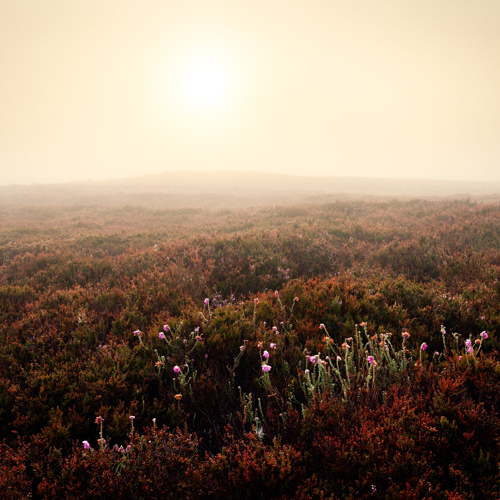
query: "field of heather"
326, 351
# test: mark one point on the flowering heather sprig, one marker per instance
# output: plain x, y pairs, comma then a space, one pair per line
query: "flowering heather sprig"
265, 378
161, 335
86, 445
423, 347
138, 334
99, 420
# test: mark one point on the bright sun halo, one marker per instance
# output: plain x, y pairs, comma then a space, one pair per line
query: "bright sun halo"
205, 82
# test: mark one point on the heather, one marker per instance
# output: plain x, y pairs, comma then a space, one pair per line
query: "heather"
341, 350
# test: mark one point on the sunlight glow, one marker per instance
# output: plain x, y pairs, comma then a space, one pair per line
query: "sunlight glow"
205, 82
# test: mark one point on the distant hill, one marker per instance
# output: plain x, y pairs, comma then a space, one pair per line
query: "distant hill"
231, 189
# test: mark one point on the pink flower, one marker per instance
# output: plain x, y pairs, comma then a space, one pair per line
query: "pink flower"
137, 332
275, 328
276, 293
424, 346
371, 360
161, 335
312, 359
272, 345
467, 342
243, 348
177, 369
321, 326
256, 300
166, 328
132, 418
206, 302
483, 335
265, 354
86, 445
266, 368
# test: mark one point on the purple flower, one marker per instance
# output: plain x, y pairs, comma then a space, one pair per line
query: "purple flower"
312, 359
177, 369
467, 342
424, 346
132, 418
243, 348
206, 356
321, 326
137, 332
161, 335
272, 345
99, 420
86, 445
484, 335
371, 360
206, 302
266, 368
166, 328
197, 329
184, 341
265, 354
275, 329
436, 353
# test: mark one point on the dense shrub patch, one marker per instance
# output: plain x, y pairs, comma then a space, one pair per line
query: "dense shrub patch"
332, 351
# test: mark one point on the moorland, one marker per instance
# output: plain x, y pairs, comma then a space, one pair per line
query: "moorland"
336, 350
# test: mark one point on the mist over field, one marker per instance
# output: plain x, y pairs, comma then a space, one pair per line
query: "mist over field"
231, 189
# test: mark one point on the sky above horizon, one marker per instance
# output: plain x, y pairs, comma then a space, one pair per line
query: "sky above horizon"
98, 89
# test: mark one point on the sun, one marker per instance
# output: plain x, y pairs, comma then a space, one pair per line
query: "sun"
205, 82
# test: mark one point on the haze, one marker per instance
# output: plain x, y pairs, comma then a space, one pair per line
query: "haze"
97, 89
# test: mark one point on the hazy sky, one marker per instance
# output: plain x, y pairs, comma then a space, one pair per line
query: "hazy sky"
95, 89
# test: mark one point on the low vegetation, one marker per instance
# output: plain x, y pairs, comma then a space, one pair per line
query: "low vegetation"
337, 351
